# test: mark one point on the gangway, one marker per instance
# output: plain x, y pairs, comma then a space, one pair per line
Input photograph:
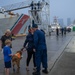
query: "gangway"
40, 13
16, 6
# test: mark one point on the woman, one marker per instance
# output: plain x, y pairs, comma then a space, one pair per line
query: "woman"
6, 36
30, 45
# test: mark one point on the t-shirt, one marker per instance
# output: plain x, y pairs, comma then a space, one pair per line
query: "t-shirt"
6, 53
4, 38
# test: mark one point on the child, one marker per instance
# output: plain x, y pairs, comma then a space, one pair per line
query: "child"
7, 56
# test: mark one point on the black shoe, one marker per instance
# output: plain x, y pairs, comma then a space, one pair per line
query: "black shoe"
36, 73
34, 68
45, 71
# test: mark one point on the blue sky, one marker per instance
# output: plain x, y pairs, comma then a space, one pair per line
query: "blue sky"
60, 8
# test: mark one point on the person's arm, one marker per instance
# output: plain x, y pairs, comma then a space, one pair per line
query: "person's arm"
1, 38
35, 40
9, 52
25, 43
2, 41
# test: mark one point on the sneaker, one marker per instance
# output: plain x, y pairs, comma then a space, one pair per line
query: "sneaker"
36, 73
45, 71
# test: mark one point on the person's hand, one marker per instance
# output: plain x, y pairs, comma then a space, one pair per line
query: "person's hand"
24, 49
34, 50
11, 55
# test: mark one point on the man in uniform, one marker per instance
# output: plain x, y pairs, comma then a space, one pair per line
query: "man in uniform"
40, 50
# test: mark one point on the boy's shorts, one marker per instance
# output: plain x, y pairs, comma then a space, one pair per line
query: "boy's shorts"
7, 64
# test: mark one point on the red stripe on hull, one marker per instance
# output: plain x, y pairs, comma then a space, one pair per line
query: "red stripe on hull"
20, 24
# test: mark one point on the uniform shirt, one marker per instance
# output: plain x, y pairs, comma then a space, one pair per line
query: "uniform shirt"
39, 40
6, 53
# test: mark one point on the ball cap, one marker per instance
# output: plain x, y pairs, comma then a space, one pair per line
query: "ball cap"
34, 26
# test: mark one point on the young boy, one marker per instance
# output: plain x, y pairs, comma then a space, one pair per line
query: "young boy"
7, 56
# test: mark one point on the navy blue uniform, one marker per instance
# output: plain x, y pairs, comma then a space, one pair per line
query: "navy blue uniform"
29, 40
41, 50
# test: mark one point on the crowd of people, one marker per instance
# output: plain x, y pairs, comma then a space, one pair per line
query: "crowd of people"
62, 30
35, 45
